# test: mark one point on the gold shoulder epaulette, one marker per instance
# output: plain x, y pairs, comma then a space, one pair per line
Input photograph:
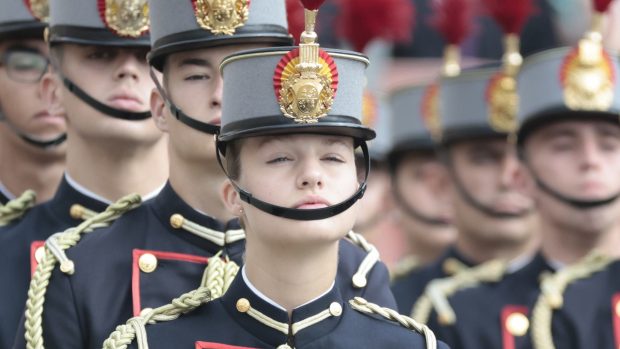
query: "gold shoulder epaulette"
365, 307
55, 247
360, 278
404, 267
17, 207
551, 296
439, 290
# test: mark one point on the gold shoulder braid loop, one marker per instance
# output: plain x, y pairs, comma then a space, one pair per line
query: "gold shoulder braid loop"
177, 221
54, 251
364, 306
360, 278
437, 292
551, 297
404, 267
216, 279
17, 207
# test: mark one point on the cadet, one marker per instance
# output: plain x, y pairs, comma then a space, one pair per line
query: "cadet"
493, 218
160, 250
31, 139
292, 143
113, 147
419, 179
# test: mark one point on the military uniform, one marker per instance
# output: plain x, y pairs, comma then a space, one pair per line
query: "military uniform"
408, 288
161, 249
226, 323
22, 239
243, 317
145, 259
512, 311
5, 196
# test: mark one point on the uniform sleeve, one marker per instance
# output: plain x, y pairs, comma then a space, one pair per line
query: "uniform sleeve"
62, 327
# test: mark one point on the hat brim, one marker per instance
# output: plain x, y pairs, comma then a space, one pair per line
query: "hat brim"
22, 30
66, 34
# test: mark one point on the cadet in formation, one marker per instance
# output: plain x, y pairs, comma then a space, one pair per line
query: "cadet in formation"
31, 139
289, 155
162, 249
100, 78
568, 142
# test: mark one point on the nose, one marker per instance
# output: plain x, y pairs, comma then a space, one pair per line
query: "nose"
310, 176
510, 167
216, 98
591, 156
129, 67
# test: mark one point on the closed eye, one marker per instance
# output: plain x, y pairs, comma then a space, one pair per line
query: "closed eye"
279, 159
198, 77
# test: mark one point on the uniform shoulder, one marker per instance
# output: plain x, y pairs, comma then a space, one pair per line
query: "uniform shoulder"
17, 208
395, 326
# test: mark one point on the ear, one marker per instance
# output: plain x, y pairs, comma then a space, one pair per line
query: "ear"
158, 108
231, 199
51, 91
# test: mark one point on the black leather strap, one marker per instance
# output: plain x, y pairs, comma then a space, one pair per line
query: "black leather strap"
105, 109
574, 202
180, 115
44, 144
414, 213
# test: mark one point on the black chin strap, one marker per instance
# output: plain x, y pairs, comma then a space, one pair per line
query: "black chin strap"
44, 144
105, 109
180, 115
39, 143
414, 213
576, 203
489, 211
301, 214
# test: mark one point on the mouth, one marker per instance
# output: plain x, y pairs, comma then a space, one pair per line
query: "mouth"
216, 121
126, 102
49, 118
312, 202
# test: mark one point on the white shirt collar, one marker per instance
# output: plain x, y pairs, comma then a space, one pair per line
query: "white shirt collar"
519, 263
272, 302
6, 192
80, 188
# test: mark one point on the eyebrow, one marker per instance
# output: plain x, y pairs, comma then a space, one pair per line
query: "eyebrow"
195, 61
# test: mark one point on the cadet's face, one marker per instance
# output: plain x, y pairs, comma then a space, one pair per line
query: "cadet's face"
117, 77
489, 172
422, 182
580, 160
188, 75
303, 172
21, 101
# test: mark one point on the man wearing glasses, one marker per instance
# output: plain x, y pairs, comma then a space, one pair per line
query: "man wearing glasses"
32, 151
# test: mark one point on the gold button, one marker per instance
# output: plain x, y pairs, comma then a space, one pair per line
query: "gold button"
335, 309
147, 263
618, 309
451, 266
243, 305
39, 253
359, 281
76, 211
517, 324
176, 221
145, 311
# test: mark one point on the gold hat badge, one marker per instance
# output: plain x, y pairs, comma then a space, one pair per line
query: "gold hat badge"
221, 16
588, 75
501, 93
129, 18
306, 79
40, 9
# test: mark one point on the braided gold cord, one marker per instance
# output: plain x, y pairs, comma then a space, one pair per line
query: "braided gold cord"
551, 296
17, 207
437, 292
43, 272
404, 267
215, 281
364, 306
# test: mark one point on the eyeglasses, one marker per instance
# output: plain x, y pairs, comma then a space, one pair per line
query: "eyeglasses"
24, 64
